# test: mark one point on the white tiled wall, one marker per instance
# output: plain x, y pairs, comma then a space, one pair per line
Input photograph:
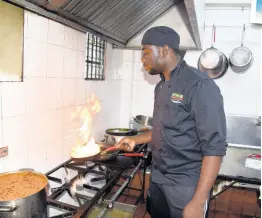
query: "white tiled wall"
35, 113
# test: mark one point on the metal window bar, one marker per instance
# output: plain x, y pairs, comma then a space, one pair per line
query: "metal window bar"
95, 58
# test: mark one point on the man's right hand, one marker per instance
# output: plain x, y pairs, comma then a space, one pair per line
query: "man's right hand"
126, 144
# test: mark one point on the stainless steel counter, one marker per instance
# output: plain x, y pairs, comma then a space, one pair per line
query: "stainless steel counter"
233, 163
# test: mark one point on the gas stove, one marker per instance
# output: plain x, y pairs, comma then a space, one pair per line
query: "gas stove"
75, 187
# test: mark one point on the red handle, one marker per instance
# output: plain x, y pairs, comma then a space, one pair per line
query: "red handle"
110, 149
133, 155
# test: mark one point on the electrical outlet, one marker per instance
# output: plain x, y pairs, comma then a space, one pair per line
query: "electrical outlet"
3, 152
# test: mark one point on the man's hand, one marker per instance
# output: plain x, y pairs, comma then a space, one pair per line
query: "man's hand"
193, 209
126, 144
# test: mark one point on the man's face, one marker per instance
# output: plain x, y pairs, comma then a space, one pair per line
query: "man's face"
150, 59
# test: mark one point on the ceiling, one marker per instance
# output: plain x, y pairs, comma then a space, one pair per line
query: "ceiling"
116, 21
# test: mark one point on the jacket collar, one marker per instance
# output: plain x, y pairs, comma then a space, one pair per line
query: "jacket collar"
175, 71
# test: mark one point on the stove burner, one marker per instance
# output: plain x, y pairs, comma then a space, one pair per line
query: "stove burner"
85, 184
106, 177
65, 187
89, 164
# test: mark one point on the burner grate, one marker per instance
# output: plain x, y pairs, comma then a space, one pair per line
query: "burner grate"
119, 161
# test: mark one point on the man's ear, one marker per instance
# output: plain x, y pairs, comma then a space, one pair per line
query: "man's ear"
165, 50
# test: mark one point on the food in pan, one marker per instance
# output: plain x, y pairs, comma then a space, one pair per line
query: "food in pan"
88, 150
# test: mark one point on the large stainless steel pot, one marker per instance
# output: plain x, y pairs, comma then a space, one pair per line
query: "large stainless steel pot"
141, 121
34, 206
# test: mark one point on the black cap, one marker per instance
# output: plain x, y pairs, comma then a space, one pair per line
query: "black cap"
160, 36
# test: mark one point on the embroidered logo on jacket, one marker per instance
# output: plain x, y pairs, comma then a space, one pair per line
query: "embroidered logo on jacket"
176, 98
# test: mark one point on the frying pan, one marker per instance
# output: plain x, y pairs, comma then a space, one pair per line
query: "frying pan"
212, 61
125, 131
98, 156
106, 155
114, 135
240, 58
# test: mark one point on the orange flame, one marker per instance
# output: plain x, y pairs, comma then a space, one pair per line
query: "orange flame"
86, 145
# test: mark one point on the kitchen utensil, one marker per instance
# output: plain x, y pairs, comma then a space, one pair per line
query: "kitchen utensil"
240, 59
144, 120
212, 61
125, 131
141, 121
112, 156
34, 205
98, 156
114, 135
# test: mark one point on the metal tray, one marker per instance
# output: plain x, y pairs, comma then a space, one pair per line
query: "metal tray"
118, 210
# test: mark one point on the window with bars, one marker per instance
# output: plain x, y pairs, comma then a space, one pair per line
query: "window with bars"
95, 58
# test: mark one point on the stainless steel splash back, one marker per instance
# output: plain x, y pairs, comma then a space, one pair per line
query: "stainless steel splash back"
117, 19
243, 130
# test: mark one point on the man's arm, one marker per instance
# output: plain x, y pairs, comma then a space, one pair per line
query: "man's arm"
129, 143
208, 112
209, 171
143, 138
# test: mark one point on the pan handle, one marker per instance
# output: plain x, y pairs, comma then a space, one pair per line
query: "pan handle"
213, 38
132, 155
9, 208
243, 33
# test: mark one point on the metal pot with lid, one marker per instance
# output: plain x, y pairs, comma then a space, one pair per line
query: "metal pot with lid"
23, 194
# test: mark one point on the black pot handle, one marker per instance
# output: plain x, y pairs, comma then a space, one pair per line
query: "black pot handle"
10, 208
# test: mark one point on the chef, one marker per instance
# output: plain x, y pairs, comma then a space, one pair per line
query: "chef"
188, 137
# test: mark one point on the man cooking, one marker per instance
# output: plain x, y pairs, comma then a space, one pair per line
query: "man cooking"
188, 137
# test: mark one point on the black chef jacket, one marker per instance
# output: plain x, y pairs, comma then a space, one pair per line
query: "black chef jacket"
188, 123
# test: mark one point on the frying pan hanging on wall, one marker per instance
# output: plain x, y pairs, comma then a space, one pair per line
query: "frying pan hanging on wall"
240, 58
212, 61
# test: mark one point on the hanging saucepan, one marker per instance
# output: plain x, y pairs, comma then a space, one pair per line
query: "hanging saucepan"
212, 61
240, 58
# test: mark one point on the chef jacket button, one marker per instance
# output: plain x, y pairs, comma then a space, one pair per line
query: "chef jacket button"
155, 167
160, 150
163, 171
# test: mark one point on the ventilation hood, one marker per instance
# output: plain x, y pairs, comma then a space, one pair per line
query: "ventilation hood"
122, 22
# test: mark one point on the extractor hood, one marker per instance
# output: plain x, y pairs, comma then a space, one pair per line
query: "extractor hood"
121, 22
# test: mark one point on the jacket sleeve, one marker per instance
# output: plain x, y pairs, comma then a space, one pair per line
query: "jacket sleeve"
207, 109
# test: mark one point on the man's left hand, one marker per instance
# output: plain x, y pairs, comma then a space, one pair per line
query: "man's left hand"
193, 209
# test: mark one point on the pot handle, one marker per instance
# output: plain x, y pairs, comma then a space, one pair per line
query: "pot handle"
9, 208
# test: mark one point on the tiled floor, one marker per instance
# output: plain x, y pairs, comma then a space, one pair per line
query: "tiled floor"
234, 203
